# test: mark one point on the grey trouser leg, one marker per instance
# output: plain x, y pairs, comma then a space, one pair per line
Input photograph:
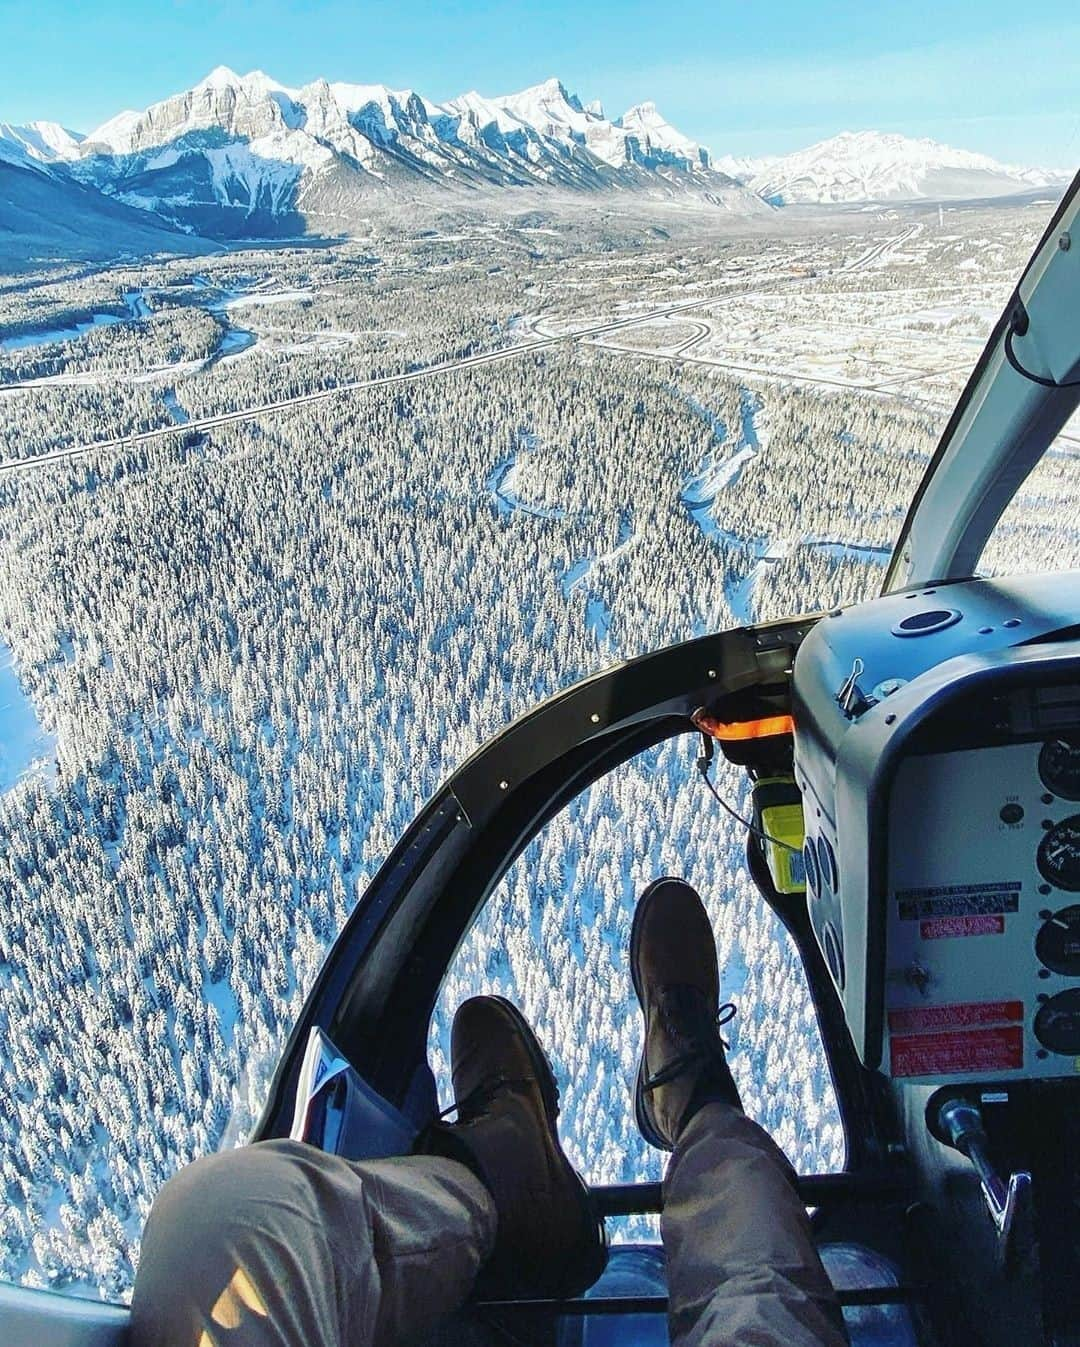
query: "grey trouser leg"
281, 1245
742, 1267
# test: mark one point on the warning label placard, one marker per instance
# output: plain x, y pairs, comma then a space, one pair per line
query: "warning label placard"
951, 928
964, 1015
958, 900
980, 1050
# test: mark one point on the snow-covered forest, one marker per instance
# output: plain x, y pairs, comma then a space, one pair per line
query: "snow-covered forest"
258, 648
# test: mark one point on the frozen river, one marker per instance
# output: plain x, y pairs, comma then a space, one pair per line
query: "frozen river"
137, 309
221, 302
47, 336
702, 498
22, 740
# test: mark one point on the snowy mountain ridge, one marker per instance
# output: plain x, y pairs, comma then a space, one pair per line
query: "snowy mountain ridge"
867, 166
244, 154
39, 142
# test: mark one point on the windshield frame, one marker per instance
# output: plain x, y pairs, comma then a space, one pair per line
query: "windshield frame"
381, 979
1004, 421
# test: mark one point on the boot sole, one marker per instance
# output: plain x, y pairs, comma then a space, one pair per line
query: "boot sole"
594, 1232
645, 1124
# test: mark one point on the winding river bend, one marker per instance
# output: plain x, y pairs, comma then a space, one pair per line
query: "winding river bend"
700, 498
222, 302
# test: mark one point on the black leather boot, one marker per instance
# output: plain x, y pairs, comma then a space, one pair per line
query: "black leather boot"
550, 1239
673, 965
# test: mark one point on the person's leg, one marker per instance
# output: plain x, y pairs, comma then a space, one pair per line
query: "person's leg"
551, 1240
743, 1270
281, 1245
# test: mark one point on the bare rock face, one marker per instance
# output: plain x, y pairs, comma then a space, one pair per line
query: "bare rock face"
235, 109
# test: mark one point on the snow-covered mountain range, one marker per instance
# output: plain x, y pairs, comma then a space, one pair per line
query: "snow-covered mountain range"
869, 166
245, 156
45, 212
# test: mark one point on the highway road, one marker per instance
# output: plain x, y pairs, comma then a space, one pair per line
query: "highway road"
434, 371
597, 335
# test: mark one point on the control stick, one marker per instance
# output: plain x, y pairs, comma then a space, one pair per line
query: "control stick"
960, 1125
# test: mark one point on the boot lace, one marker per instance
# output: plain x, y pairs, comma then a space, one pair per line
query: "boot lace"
689, 1020
473, 1104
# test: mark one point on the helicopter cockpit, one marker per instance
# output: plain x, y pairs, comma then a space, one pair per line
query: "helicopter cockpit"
915, 763
930, 740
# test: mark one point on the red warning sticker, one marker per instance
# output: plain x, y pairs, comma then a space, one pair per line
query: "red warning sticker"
966, 1015
947, 928
970, 1050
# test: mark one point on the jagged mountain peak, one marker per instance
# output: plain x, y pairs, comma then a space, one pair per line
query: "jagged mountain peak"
484, 111
552, 89
221, 77
113, 133
549, 102
659, 137
555, 114
256, 83
352, 97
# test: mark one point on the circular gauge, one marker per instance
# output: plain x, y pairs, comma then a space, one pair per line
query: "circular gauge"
1057, 1025
826, 863
1058, 856
810, 861
1059, 766
1058, 941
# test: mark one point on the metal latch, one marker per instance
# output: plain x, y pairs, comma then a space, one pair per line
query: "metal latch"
851, 698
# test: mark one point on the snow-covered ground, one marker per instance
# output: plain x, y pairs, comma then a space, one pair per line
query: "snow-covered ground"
900, 308
24, 744
246, 299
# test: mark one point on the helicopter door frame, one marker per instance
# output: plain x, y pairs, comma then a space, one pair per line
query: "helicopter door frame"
1005, 420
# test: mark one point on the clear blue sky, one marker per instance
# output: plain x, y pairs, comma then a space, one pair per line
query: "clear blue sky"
742, 76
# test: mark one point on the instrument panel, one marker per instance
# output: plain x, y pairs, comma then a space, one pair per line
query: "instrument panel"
937, 751
983, 942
